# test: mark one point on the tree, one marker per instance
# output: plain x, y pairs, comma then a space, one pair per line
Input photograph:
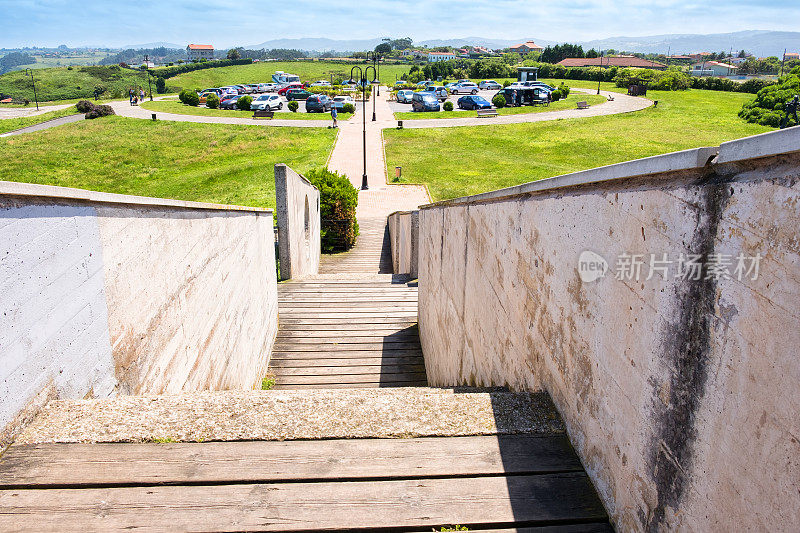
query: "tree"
383, 49
233, 53
742, 54
161, 85
401, 44
592, 53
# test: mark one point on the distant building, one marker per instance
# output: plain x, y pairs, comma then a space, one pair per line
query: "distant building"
713, 68
788, 56
197, 52
440, 56
148, 64
526, 47
612, 61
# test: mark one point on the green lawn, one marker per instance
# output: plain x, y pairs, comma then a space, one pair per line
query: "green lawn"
262, 73
171, 106
202, 162
69, 84
569, 103
469, 160
11, 124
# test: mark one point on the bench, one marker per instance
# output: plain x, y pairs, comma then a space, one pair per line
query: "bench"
263, 113
583, 105
486, 112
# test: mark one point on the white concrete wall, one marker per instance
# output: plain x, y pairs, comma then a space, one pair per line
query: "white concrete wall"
298, 219
404, 239
680, 396
104, 294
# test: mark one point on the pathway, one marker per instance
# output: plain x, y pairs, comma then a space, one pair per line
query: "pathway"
29, 111
46, 125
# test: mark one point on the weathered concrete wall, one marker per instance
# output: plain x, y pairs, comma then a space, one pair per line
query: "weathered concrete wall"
404, 238
298, 218
681, 395
104, 294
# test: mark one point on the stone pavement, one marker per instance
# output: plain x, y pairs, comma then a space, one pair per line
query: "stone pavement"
30, 111
46, 125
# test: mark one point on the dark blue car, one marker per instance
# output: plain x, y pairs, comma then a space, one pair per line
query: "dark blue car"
473, 102
319, 103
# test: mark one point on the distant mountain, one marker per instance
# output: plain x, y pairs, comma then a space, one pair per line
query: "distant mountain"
153, 45
759, 42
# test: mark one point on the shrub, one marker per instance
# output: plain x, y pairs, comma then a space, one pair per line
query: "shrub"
448, 106
189, 98
244, 102
506, 83
84, 106
98, 111
768, 107
293, 105
556, 95
212, 101
348, 108
499, 101
338, 202
564, 90
161, 86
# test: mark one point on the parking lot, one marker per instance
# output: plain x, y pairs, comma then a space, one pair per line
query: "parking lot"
397, 107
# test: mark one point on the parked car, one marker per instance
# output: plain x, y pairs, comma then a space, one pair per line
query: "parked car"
425, 101
321, 83
464, 88
473, 102
253, 87
440, 92
318, 103
230, 102
339, 101
228, 91
517, 96
269, 102
294, 85
463, 81
267, 87
297, 94
490, 85
404, 96
243, 89
218, 92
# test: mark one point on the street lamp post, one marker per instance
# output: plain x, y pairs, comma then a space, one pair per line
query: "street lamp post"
149, 76
362, 76
375, 57
600, 74
35, 97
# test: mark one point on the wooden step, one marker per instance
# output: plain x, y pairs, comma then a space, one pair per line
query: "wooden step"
345, 361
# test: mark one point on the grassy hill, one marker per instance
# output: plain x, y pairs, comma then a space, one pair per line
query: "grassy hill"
68, 83
262, 73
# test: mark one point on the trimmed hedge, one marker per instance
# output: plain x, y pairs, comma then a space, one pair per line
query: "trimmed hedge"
448, 106
293, 106
212, 101
169, 72
348, 108
499, 101
243, 103
338, 202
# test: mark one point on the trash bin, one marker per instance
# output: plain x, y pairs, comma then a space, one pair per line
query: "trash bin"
398, 171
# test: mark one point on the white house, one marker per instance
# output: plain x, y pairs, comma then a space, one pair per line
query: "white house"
713, 68
440, 56
200, 51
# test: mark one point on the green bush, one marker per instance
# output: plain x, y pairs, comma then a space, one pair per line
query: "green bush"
348, 108
244, 102
189, 98
768, 107
672, 79
338, 202
84, 106
293, 105
98, 111
448, 106
499, 101
564, 90
556, 95
212, 101
161, 86
506, 83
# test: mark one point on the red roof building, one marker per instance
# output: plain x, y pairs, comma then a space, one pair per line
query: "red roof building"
197, 52
526, 47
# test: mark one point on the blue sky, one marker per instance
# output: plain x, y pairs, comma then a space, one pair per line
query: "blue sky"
234, 22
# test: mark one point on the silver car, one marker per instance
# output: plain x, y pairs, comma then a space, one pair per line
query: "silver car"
404, 96
490, 85
464, 88
267, 102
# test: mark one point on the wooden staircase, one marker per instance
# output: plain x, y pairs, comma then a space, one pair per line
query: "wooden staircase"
337, 333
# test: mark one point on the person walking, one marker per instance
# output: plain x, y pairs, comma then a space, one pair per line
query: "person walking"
334, 116
141, 95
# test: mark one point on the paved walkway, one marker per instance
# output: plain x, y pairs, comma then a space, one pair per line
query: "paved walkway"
46, 125
30, 111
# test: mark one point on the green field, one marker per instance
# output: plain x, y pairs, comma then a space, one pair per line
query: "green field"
201, 162
569, 103
88, 58
65, 84
469, 160
11, 124
171, 106
262, 73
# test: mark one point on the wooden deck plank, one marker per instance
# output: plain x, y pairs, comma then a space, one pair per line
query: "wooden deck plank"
340, 347
345, 354
355, 361
354, 379
379, 370
303, 506
78, 465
